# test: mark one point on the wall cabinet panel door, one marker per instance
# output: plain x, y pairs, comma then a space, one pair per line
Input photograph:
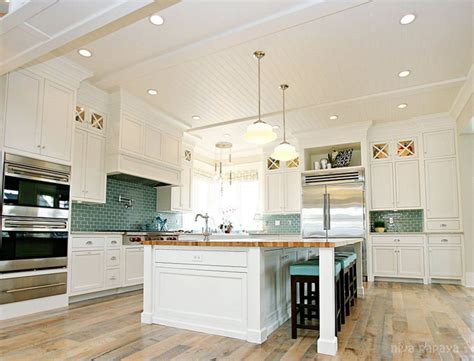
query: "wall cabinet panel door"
57, 121
445, 262
407, 182
131, 137
292, 192
385, 261
439, 144
171, 149
23, 112
78, 164
133, 263
441, 188
274, 192
95, 176
153, 143
411, 261
87, 268
381, 182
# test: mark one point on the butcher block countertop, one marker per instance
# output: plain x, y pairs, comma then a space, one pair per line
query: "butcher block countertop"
256, 242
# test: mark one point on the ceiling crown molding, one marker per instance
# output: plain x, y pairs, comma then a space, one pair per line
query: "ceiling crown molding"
464, 94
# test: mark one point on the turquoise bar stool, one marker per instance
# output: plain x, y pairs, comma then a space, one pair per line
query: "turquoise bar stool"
305, 295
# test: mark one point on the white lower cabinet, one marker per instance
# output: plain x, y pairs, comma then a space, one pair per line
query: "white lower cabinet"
99, 263
87, 270
445, 262
398, 261
133, 265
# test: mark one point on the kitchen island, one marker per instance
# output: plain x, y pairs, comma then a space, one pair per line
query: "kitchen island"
237, 287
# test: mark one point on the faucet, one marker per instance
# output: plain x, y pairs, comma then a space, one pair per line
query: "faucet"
206, 232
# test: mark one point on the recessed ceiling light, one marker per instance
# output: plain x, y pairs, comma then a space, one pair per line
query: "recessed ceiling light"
196, 117
402, 106
152, 91
85, 53
333, 117
404, 73
156, 20
276, 127
226, 135
407, 19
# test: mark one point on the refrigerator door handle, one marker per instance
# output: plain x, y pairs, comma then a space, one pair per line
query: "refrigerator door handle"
325, 218
328, 210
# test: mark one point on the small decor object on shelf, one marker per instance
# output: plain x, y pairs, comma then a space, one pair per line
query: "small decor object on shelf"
343, 158
324, 163
379, 226
317, 165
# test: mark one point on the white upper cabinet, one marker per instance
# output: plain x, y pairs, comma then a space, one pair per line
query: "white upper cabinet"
439, 144
39, 116
88, 176
407, 184
395, 175
274, 192
58, 113
292, 189
441, 188
282, 186
381, 175
23, 112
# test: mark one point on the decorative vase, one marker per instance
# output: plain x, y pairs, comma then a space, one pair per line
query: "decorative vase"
324, 163
380, 229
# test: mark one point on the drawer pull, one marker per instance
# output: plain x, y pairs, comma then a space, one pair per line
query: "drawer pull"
396, 240
34, 287
444, 240
113, 242
443, 225
113, 278
113, 258
88, 243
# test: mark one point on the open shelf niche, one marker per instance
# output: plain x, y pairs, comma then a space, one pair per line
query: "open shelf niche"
317, 153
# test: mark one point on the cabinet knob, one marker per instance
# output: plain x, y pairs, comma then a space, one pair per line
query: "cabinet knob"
114, 242
43, 147
39, 146
89, 242
113, 258
112, 278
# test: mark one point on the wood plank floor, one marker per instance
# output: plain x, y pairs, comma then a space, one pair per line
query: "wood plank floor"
393, 322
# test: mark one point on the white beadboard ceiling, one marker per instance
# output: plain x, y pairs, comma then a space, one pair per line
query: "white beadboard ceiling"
339, 57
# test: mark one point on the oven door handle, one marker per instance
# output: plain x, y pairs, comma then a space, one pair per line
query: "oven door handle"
34, 174
35, 287
32, 225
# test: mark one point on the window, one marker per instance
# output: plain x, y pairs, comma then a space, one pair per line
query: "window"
237, 203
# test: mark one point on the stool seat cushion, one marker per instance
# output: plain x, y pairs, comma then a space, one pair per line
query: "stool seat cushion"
345, 261
350, 255
310, 268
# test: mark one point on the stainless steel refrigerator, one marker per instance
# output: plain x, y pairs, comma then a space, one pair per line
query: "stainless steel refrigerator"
334, 204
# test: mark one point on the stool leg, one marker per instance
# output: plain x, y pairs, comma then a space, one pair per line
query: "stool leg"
354, 284
293, 308
342, 299
301, 308
348, 290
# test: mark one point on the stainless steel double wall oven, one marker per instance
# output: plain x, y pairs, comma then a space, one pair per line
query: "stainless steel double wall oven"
35, 225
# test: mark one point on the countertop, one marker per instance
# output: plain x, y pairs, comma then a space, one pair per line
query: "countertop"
256, 242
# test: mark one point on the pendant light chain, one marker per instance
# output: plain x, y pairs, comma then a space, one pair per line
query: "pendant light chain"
259, 98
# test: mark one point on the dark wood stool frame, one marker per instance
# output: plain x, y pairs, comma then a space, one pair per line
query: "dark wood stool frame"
307, 287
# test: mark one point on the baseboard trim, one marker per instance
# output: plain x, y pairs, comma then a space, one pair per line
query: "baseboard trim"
327, 347
105, 293
469, 280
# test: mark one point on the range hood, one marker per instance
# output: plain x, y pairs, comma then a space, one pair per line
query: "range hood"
137, 180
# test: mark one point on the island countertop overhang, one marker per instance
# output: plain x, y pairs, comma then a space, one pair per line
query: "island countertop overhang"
258, 242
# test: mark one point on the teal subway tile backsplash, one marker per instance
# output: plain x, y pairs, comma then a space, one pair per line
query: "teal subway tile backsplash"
403, 221
114, 216
289, 223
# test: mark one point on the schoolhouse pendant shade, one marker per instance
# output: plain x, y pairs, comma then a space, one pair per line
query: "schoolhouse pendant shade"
259, 132
284, 151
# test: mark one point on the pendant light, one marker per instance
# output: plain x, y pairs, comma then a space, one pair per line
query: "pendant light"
284, 151
259, 132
